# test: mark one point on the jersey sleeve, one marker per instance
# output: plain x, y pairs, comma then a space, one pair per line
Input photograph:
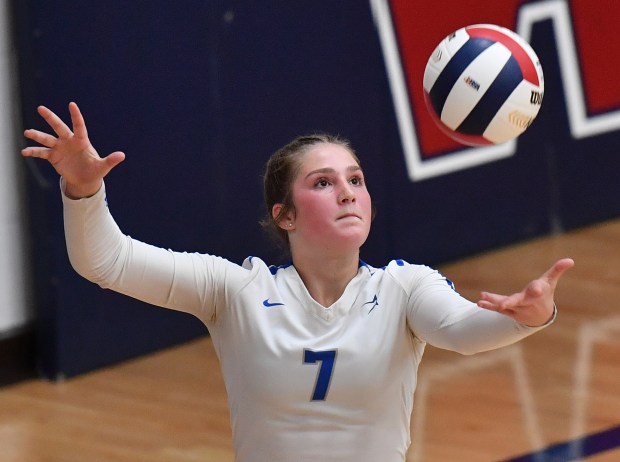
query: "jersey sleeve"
440, 316
101, 253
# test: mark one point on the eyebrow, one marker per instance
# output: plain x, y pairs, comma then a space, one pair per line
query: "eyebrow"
352, 168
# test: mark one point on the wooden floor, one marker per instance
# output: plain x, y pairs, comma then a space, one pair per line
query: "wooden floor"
558, 385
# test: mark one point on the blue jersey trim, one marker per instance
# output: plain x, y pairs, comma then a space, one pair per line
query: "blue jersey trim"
274, 268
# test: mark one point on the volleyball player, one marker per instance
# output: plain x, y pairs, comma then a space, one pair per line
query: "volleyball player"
319, 356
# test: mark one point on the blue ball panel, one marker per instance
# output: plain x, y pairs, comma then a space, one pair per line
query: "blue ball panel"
482, 114
453, 70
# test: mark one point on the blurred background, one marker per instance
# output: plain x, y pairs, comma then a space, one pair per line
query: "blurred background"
198, 94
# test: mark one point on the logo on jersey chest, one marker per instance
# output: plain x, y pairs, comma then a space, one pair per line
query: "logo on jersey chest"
372, 304
269, 304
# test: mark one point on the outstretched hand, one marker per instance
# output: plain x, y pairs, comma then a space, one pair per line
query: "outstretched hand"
533, 306
71, 153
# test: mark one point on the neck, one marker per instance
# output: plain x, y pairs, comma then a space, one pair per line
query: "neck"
326, 279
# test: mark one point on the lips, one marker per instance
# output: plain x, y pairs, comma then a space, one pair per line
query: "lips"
349, 215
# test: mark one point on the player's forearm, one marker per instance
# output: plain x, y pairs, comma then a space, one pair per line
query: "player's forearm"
94, 241
443, 318
480, 330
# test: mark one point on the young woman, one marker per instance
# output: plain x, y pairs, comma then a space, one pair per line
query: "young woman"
320, 356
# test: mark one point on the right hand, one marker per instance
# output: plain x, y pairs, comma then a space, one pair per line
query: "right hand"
71, 153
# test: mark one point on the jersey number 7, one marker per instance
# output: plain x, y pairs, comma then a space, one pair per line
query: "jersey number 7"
326, 360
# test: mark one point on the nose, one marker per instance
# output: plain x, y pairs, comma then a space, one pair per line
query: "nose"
346, 194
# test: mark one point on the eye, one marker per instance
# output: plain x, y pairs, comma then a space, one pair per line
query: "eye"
321, 183
357, 181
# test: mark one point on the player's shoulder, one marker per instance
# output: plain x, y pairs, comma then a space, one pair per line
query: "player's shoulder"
409, 274
259, 266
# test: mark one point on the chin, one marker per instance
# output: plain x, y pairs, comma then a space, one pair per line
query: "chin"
353, 239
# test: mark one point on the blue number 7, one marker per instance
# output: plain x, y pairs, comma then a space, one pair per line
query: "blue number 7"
327, 358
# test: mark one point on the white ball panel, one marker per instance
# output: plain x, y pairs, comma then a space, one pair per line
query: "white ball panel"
473, 84
441, 56
515, 115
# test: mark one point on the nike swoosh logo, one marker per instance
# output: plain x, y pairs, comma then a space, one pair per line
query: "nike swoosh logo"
268, 304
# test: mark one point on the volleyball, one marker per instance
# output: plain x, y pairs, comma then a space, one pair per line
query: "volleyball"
483, 84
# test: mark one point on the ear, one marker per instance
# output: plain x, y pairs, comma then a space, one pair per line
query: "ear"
285, 222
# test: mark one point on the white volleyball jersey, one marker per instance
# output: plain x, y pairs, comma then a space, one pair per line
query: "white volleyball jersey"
304, 382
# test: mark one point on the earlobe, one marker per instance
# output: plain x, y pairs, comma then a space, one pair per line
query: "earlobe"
283, 221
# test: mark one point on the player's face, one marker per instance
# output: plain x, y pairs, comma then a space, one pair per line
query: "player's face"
332, 204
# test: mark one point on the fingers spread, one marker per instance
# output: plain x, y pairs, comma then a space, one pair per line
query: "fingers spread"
554, 273
40, 137
55, 122
79, 126
491, 301
497, 307
487, 305
42, 153
114, 159
497, 302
